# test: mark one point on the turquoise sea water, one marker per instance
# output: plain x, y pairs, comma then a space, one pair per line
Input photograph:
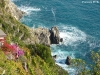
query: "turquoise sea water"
77, 20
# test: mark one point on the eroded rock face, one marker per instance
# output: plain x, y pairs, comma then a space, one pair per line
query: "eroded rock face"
13, 10
54, 37
45, 36
42, 36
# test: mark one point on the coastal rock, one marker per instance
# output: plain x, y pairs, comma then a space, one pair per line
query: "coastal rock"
37, 35
68, 60
61, 39
12, 9
54, 37
45, 36
41, 36
54, 57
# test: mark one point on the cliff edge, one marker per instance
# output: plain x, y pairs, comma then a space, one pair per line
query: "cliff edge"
12, 9
43, 36
27, 35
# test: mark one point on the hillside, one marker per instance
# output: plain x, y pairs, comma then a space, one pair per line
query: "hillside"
37, 57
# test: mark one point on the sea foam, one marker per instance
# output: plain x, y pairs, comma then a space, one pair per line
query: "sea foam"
12, 0
72, 35
28, 9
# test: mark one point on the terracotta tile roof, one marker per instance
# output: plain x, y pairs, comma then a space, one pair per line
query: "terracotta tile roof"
2, 34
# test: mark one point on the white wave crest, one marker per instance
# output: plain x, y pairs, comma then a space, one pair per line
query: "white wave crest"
72, 35
52, 10
28, 10
71, 71
12, 0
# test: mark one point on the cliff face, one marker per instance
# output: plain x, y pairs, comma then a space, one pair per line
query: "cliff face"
13, 10
22, 32
45, 36
42, 36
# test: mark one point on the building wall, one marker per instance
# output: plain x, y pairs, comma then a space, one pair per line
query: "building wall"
2, 39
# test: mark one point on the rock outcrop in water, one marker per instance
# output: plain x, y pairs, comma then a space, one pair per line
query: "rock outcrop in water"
54, 37
45, 36
68, 60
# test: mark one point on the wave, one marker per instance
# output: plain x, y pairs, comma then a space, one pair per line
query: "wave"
28, 9
52, 10
60, 60
70, 70
93, 42
76, 44
72, 35
12, 0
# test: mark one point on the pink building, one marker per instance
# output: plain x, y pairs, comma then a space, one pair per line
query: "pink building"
2, 37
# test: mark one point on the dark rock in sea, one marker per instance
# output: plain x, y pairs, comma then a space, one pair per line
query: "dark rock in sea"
61, 39
55, 56
54, 37
68, 60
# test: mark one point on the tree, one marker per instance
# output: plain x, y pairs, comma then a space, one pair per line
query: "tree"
80, 66
96, 66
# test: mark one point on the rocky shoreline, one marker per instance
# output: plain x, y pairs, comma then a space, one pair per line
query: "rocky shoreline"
33, 41
45, 36
38, 35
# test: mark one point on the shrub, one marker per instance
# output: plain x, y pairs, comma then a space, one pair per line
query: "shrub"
44, 52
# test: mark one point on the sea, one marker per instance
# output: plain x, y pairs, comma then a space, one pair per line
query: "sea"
78, 22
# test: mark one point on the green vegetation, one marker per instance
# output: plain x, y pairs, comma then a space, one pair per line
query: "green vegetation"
96, 59
36, 65
45, 53
38, 57
47, 65
80, 65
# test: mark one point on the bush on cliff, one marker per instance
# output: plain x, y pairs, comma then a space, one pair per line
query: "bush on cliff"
93, 68
44, 52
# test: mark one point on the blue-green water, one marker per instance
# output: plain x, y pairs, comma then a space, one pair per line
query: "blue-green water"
78, 22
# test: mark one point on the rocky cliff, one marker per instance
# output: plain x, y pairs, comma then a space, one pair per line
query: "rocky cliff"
27, 35
12, 9
54, 37
45, 36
